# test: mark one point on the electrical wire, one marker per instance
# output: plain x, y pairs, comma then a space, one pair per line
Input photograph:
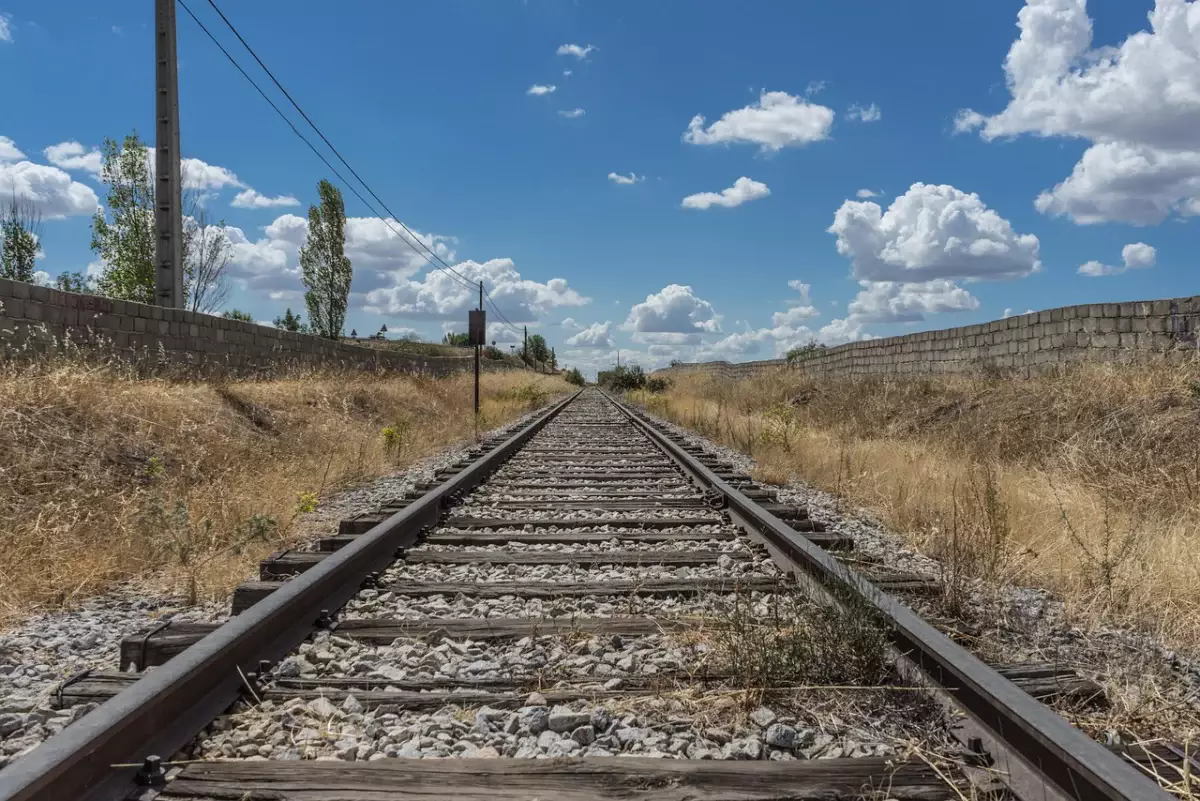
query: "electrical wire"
500, 314
324, 139
325, 161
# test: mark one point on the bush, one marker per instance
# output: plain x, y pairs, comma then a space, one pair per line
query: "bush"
622, 379
802, 352
573, 376
657, 384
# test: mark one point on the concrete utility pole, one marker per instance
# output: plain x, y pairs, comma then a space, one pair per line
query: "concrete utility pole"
525, 347
168, 193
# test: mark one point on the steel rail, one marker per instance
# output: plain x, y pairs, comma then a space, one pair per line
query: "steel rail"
96, 758
1045, 756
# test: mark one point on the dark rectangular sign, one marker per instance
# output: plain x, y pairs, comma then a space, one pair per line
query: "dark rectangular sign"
477, 327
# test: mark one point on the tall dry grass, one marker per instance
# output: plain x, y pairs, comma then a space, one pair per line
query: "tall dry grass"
1086, 482
104, 477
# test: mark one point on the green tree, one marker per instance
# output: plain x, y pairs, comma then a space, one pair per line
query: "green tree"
623, 378
238, 314
326, 270
457, 340
573, 376
75, 282
539, 351
20, 224
290, 322
124, 237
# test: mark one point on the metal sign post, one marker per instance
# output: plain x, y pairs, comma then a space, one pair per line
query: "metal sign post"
477, 336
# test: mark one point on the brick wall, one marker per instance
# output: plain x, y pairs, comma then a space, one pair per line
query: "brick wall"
34, 319
1131, 332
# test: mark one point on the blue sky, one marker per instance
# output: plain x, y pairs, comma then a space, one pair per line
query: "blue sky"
1009, 145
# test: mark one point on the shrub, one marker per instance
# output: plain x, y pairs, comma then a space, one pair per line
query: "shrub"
573, 376
622, 379
806, 351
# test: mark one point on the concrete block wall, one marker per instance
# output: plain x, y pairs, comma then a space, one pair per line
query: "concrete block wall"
35, 318
1131, 332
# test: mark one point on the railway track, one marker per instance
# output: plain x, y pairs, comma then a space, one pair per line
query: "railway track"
580, 590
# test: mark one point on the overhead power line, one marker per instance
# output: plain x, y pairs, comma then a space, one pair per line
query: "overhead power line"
499, 313
432, 255
310, 145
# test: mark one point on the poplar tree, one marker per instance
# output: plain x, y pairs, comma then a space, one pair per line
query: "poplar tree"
324, 267
19, 225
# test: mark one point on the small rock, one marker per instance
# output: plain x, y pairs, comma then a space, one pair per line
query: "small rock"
584, 735
780, 736
323, 708
564, 719
762, 717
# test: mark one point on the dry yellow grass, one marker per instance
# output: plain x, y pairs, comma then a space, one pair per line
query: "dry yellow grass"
104, 478
1086, 482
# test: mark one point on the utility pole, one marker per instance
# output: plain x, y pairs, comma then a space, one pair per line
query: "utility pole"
618, 358
525, 347
168, 200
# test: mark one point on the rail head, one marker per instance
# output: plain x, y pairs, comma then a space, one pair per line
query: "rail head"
1055, 759
96, 758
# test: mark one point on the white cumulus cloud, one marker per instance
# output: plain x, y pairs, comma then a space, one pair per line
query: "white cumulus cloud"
777, 121
897, 302
572, 114
201, 175
1138, 103
74, 156
632, 178
9, 150
841, 331
1120, 182
596, 335
932, 232
50, 190
674, 310
5, 27
864, 194
742, 191
250, 199
1134, 256
540, 89
439, 296
578, 51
